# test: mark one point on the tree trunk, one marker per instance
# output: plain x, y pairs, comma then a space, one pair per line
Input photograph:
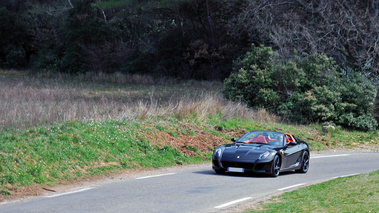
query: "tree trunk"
212, 37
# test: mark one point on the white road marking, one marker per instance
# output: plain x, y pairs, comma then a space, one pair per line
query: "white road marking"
232, 202
70, 192
288, 187
153, 176
329, 156
345, 175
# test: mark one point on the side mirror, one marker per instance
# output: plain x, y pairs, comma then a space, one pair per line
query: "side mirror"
234, 140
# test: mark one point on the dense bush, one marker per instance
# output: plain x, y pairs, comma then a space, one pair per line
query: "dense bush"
308, 89
253, 82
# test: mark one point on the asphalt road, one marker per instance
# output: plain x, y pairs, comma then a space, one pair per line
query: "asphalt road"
193, 188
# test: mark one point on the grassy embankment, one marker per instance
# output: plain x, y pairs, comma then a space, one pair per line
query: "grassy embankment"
55, 129
358, 193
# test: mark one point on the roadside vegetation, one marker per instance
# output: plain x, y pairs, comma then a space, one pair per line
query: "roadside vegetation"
349, 194
304, 90
56, 129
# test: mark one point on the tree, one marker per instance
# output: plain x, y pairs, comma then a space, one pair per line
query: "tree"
88, 40
346, 30
178, 38
185, 39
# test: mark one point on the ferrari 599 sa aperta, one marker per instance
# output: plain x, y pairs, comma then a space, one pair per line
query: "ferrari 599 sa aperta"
262, 152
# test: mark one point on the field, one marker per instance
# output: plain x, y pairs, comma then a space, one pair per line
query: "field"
31, 100
63, 128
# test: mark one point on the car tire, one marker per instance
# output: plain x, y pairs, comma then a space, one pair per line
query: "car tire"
304, 163
275, 167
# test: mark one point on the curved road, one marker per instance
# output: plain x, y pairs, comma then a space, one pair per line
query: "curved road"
193, 188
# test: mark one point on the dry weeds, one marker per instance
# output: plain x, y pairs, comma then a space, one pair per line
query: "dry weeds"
29, 100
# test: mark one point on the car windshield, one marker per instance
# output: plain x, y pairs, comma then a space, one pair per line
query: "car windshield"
262, 137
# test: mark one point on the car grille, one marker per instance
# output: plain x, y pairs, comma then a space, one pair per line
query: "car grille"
226, 164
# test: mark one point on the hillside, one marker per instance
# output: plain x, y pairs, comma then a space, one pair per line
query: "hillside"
55, 129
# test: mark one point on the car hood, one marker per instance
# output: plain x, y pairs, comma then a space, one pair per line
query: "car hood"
244, 152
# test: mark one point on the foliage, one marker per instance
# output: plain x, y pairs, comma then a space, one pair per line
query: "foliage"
253, 82
309, 89
192, 39
179, 38
86, 40
13, 39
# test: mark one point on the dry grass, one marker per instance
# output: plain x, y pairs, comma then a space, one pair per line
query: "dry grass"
30, 100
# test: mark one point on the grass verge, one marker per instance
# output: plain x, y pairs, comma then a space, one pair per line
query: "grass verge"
349, 194
74, 150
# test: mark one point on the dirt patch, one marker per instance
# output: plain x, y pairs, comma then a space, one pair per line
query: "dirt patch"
188, 144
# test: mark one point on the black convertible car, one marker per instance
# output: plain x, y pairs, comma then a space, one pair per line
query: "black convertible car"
262, 151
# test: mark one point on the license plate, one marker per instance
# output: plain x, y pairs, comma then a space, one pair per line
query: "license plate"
235, 169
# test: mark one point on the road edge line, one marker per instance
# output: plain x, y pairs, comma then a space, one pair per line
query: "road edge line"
232, 202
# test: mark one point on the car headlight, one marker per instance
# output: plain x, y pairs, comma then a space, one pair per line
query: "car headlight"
264, 155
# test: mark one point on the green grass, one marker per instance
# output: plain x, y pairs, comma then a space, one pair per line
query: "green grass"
350, 194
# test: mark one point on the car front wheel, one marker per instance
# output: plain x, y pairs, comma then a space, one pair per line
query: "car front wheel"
275, 167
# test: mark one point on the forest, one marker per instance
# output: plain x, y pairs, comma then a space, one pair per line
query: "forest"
326, 52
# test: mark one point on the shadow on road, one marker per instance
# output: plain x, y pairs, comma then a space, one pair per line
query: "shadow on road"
242, 175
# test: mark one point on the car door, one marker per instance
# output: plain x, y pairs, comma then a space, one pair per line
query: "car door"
292, 153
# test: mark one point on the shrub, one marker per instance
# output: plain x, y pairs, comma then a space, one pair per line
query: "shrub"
308, 89
253, 82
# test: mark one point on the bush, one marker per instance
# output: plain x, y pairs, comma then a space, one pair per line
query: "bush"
253, 83
308, 89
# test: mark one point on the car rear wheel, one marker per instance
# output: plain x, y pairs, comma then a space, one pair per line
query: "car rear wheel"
275, 167
304, 163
